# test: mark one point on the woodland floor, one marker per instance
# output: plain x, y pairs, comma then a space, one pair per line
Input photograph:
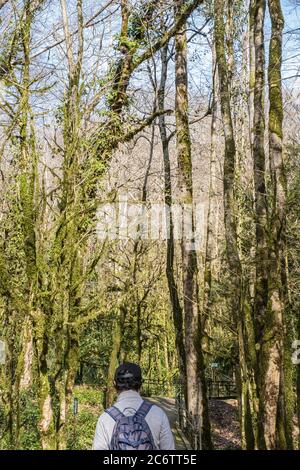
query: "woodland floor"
225, 424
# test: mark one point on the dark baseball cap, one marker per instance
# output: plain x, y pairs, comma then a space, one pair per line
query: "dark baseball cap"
128, 371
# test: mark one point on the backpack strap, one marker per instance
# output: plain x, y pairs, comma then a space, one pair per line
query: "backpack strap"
144, 408
114, 413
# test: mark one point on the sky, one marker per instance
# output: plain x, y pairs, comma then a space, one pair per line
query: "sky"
199, 57
291, 43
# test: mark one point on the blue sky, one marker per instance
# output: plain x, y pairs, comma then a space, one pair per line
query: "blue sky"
291, 43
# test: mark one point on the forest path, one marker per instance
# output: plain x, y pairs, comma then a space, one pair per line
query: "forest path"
224, 422
169, 407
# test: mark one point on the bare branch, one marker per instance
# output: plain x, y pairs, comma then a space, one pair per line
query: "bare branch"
144, 124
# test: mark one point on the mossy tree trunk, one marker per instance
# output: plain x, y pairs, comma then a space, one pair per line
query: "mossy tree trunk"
168, 196
68, 250
272, 373
195, 375
261, 222
189, 260
277, 279
242, 322
28, 183
211, 232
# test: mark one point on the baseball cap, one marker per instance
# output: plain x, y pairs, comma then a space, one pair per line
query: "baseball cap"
128, 372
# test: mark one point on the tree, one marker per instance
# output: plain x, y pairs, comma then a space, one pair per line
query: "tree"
195, 376
277, 276
172, 284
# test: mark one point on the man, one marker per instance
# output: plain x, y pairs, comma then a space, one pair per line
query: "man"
132, 423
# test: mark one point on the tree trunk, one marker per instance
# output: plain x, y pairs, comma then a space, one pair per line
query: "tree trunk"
195, 374
2, 3
211, 230
26, 378
278, 281
267, 308
242, 321
189, 260
173, 288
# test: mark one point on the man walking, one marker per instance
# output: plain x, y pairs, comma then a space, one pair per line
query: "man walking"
132, 423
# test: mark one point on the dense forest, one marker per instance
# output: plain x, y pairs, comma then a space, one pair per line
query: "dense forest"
149, 212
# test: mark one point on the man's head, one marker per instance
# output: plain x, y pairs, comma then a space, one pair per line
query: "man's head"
128, 376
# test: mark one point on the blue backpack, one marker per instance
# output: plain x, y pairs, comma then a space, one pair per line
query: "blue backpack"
131, 432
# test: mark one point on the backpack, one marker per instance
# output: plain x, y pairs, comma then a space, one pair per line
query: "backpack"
131, 432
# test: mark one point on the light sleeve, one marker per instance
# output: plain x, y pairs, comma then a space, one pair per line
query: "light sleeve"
101, 438
166, 440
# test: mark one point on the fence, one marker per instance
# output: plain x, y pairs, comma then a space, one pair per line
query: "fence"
223, 389
190, 425
158, 387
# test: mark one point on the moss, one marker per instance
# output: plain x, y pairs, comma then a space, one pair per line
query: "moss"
274, 69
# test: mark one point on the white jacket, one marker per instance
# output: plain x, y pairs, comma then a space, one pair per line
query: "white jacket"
128, 403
